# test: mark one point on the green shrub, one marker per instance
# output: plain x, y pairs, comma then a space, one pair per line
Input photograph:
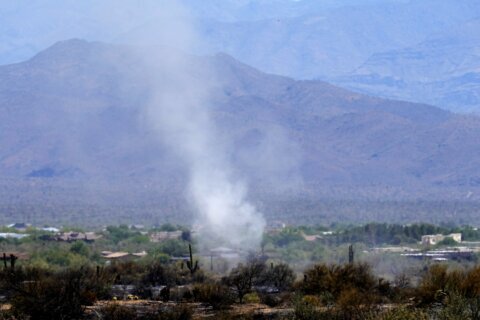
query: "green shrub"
58, 296
173, 247
400, 313
178, 312
280, 276
355, 304
216, 295
251, 298
115, 311
447, 241
79, 247
336, 278
433, 285
245, 276
304, 310
271, 300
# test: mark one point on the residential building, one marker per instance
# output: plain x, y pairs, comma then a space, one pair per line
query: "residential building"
433, 239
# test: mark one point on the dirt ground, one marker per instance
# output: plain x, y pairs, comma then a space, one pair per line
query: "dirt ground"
201, 311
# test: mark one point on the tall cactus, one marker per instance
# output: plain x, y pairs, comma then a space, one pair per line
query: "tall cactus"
351, 254
193, 267
13, 259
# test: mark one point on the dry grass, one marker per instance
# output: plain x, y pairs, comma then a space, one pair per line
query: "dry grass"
200, 310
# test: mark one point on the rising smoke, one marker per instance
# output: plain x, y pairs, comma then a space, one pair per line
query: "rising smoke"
179, 110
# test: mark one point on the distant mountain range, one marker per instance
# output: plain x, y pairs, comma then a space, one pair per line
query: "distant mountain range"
443, 70
73, 136
421, 51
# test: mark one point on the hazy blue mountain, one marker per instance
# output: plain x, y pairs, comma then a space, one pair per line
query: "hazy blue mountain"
442, 70
253, 10
424, 51
325, 42
72, 133
384, 48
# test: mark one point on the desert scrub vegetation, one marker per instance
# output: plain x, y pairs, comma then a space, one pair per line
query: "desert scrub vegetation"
61, 280
64, 295
326, 291
115, 311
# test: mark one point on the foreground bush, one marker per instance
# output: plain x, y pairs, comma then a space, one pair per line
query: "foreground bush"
115, 311
179, 312
438, 284
216, 295
337, 279
245, 276
62, 295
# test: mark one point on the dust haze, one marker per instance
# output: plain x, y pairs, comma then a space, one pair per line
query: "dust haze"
179, 111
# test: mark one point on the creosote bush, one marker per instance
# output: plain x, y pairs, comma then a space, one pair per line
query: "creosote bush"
336, 279
216, 295
349, 291
62, 295
453, 294
254, 275
245, 276
178, 312
115, 311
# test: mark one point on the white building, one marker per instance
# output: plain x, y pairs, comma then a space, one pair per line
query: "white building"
433, 239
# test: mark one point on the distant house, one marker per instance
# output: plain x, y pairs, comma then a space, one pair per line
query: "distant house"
13, 235
115, 255
225, 253
120, 255
50, 229
74, 236
140, 254
275, 226
433, 239
456, 236
311, 238
183, 259
327, 233
20, 226
444, 255
165, 235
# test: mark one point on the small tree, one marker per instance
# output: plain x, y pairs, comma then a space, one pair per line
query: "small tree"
157, 274
433, 285
280, 276
337, 278
58, 296
245, 276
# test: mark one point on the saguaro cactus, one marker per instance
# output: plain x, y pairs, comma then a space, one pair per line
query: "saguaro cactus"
13, 259
351, 254
193, 267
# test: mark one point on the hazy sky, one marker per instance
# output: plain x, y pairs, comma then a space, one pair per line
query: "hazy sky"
28, 26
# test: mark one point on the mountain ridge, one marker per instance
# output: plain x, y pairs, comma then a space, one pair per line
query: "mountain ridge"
354, 45
73, 121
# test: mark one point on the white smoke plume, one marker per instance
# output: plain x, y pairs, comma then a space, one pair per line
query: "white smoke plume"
179, 111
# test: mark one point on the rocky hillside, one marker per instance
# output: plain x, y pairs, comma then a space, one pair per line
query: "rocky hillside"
73, 132
442, 70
